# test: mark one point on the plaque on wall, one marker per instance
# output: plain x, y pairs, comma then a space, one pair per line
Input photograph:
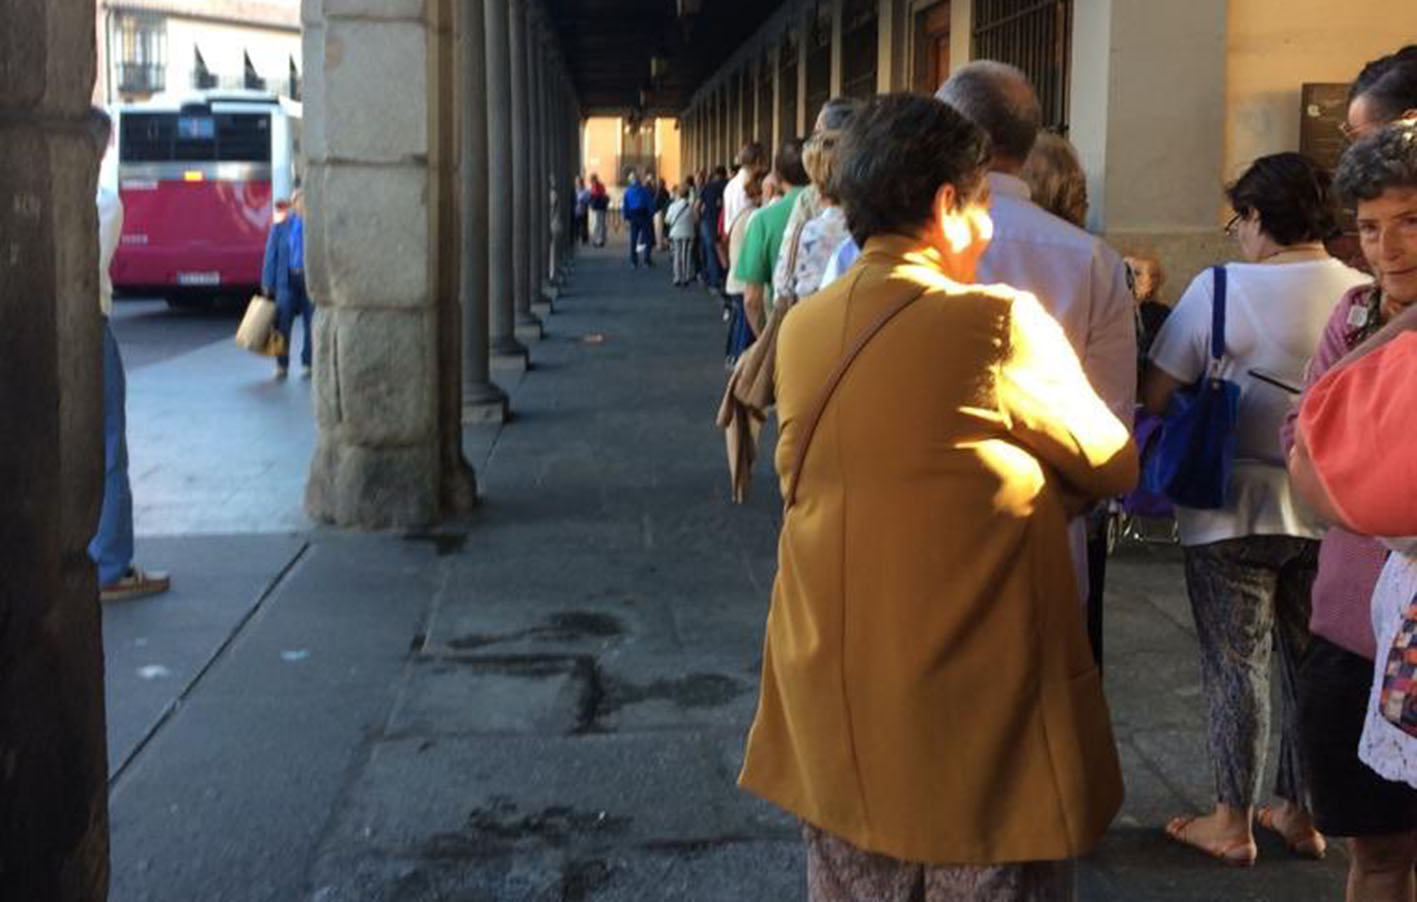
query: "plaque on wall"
1324, 110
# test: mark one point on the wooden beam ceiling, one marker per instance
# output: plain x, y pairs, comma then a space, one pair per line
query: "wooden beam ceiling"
608, 45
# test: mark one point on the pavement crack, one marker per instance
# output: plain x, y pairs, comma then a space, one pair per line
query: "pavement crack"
217, 655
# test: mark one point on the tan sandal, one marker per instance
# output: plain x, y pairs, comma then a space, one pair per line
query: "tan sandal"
1239, 853
1311, 845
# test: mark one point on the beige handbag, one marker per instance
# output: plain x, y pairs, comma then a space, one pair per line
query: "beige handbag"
257, 332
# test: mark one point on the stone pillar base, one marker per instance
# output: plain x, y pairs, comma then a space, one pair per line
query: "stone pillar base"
511, 361
483, 403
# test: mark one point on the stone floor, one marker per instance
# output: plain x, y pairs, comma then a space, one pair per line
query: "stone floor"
548, 701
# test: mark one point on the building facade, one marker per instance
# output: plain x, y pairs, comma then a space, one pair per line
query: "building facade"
148, 47
1165, 100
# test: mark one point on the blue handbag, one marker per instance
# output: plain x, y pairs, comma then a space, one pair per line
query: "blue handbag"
1192, 460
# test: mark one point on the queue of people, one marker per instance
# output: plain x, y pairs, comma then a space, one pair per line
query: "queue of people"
955, 381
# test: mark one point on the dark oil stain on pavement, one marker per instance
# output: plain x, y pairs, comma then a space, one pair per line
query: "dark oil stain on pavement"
697, 690
568, 626
499, 827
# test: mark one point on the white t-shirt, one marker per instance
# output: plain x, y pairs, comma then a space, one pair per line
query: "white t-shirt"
1275, 314
110, 229
735, 198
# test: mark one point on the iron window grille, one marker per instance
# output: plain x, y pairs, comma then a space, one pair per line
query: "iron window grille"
1036, 36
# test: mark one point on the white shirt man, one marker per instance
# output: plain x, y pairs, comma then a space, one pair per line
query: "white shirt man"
110, 229
735, 197
1076, 277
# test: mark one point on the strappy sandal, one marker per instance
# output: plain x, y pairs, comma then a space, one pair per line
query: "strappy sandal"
1312, 846
1237, 854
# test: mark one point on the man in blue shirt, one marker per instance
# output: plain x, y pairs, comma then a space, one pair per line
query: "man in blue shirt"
283, 277
638, 207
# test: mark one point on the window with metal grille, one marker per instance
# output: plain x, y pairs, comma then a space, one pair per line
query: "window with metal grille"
787, 97
819, 64
858, 48
765, 77
1036, 37
142, 53
195, 136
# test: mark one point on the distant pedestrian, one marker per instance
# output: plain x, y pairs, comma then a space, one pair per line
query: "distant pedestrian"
599, 204
663, 197
638, 208
582, 212
682, 224
283, 278
112, 546
763, 241
710, 212
752, 163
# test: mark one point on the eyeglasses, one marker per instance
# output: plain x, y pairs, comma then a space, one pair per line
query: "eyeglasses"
1352, 133
1234, 224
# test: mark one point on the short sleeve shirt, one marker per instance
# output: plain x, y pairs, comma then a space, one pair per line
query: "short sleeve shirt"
763, 241
1274, 317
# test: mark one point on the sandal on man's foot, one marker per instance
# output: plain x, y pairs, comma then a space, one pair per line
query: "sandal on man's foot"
1304, 843
1238, 853
135, 583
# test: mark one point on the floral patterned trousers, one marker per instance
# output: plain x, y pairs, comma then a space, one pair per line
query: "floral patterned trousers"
837, 871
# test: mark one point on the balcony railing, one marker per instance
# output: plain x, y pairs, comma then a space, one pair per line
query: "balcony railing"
142, 78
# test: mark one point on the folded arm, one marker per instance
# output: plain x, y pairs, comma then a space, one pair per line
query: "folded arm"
1053, 410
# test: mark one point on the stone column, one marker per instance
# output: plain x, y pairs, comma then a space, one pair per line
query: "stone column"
507, 351
53, 767
527, 324
380, 164
1122, 55
482, 401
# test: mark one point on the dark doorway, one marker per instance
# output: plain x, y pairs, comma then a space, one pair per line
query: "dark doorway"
787, 97
859, 48
932, 48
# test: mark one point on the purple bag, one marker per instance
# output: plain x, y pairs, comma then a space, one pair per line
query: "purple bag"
1139, 502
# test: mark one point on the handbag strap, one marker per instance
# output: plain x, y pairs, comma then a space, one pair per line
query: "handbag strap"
833, 380
1217, 321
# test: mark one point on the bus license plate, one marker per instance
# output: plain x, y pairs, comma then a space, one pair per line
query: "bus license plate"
199, 278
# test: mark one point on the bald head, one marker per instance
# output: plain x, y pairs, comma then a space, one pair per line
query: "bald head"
1000, 100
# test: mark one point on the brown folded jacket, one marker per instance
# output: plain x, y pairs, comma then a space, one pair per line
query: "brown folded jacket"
750, 387
746, 401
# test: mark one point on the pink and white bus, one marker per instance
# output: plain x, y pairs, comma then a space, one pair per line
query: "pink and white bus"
198, 175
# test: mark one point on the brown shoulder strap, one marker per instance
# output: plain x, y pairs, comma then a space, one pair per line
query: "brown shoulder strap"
833, 380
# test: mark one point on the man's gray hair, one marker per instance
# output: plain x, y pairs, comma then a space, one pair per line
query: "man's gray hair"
999, 99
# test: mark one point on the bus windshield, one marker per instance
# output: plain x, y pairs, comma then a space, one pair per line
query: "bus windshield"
194, 136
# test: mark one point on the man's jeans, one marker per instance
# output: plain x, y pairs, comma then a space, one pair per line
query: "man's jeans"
712, 267
641, 233
298, 305
112, 548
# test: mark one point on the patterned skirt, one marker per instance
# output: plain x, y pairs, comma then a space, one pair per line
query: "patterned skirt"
837, 871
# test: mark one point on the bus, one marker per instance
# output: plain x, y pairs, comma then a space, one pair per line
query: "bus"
198, 176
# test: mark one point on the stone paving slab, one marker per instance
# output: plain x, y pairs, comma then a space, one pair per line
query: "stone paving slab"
469, 797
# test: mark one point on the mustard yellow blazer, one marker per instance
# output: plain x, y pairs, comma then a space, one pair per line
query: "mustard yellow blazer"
927, 690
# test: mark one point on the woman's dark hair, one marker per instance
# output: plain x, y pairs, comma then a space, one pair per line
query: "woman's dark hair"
1376, 69
894, 155
788, 163
1395, 91
1383, 160
1292, 195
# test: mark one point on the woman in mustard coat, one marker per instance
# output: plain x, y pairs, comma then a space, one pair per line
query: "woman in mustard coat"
929, 707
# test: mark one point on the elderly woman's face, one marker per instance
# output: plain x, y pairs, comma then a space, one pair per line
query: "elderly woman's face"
1387, 230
